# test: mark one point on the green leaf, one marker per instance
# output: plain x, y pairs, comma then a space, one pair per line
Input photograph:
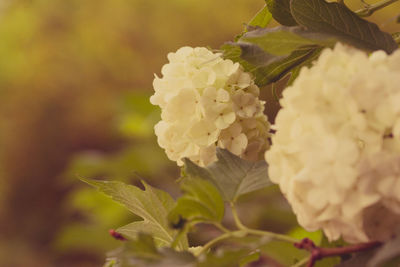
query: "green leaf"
201, 202
252, 257
265, 70
282, 40
151, 204
144, 247
225, 258
283, 252
294, 73
255, 55
280, 10
390, 251
261, 19
232, 175
300, 233
337, 20
143, 252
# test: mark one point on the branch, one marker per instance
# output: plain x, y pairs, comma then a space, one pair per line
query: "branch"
370, 9
318, 253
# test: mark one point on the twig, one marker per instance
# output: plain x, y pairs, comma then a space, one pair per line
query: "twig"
318, 253
370, 9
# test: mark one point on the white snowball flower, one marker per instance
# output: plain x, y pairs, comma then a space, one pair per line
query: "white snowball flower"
336, 151
233, 139
206, 102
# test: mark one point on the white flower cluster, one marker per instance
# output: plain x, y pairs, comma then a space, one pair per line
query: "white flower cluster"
336, 151
205, 102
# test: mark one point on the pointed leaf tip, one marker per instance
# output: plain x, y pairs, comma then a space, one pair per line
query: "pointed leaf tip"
232, 175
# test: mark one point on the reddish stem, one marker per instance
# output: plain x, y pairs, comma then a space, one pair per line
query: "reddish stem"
117, 235
318, 253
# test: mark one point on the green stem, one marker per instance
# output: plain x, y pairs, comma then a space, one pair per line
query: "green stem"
301, 262
238, 223
272, 235
221, 227
214, 241
243, 231
370, 9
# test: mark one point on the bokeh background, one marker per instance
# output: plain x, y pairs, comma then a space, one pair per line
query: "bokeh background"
75, 79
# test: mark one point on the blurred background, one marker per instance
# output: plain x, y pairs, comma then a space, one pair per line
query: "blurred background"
75, 79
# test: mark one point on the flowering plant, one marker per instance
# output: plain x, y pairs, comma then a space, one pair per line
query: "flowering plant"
333, 148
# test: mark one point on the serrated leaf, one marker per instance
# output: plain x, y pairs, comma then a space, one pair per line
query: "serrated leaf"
144, 246
337, 20
280, 10
151, 204
294, 73
225, 258
232, 175
282, 40
261, 19
269, 71
283, 252
389, 251
255, 55
201, 202
142, 252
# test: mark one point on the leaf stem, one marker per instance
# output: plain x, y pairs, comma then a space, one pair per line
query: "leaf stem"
243, 231
238, 223
272, 235
221, 227
370, 9
214, 241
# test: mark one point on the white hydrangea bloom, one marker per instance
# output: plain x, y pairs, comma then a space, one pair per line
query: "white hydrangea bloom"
206, 102
336, 151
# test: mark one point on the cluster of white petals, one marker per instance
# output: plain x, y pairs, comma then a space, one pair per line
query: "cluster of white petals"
207, 101
336, 151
